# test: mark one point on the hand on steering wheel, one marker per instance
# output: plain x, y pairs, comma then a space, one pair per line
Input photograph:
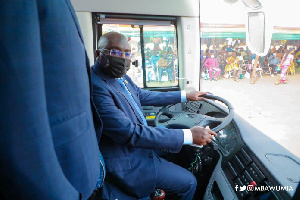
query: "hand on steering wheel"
202, 136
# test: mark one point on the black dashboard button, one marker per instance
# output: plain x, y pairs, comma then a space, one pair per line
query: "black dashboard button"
232, 170
239, 164
247, 176
244, 179
239, 182
253, 174
258, 172
245, 158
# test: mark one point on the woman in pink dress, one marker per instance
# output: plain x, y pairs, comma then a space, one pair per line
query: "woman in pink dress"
285, 63
212, 65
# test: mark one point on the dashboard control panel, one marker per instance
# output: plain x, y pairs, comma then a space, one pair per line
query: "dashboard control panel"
250, 180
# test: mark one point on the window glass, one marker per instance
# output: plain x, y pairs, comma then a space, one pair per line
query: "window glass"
160, 56
255, 85
154, 53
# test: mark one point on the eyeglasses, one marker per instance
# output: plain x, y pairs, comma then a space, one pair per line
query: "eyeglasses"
118, 53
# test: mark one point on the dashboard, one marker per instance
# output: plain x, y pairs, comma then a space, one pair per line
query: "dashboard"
246, 172
250, 165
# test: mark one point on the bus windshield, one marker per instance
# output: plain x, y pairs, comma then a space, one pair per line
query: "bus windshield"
262, 91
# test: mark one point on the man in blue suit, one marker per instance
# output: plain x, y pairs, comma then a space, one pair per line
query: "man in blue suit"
48, 145
134, 170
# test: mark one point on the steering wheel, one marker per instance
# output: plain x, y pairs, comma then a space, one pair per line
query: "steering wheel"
189, 119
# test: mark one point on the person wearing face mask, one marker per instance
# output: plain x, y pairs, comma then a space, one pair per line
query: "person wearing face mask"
128, 144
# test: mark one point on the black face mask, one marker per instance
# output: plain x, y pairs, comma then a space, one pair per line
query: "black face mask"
115, 67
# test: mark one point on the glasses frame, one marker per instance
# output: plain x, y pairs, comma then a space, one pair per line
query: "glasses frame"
119, 53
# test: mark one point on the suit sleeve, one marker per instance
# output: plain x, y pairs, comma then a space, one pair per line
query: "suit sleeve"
29, 168
120, 128
154, 98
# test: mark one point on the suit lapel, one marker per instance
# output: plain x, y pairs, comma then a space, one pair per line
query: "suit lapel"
118, 88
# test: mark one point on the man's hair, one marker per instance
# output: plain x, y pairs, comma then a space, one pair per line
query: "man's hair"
103, 41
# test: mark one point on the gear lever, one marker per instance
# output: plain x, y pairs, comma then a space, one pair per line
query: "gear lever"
158, 194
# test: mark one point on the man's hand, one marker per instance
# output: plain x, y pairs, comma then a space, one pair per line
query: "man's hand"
195, 96
202, 136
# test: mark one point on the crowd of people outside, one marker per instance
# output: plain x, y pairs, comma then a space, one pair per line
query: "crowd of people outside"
232, 60
161, 64
237, 62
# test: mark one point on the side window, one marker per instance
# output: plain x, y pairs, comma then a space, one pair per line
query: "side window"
153, 48
161, 59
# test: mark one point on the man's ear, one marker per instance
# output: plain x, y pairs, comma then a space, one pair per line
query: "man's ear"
102, 59
97, 53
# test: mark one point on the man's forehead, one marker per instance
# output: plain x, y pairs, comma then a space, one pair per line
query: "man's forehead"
118, 42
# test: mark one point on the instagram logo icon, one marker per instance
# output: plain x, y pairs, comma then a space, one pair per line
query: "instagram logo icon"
250, 187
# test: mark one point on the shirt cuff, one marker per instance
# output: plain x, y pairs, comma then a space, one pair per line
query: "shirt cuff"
183, 96
187, 136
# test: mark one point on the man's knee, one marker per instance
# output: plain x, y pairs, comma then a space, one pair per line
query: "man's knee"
193, 183
186, 191
190, 188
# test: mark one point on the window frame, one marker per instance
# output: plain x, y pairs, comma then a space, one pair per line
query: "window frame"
99, 19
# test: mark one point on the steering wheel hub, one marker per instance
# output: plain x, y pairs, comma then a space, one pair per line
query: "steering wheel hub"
190, 119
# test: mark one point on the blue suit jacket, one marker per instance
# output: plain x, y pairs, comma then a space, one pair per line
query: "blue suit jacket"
126, 144
48, 145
